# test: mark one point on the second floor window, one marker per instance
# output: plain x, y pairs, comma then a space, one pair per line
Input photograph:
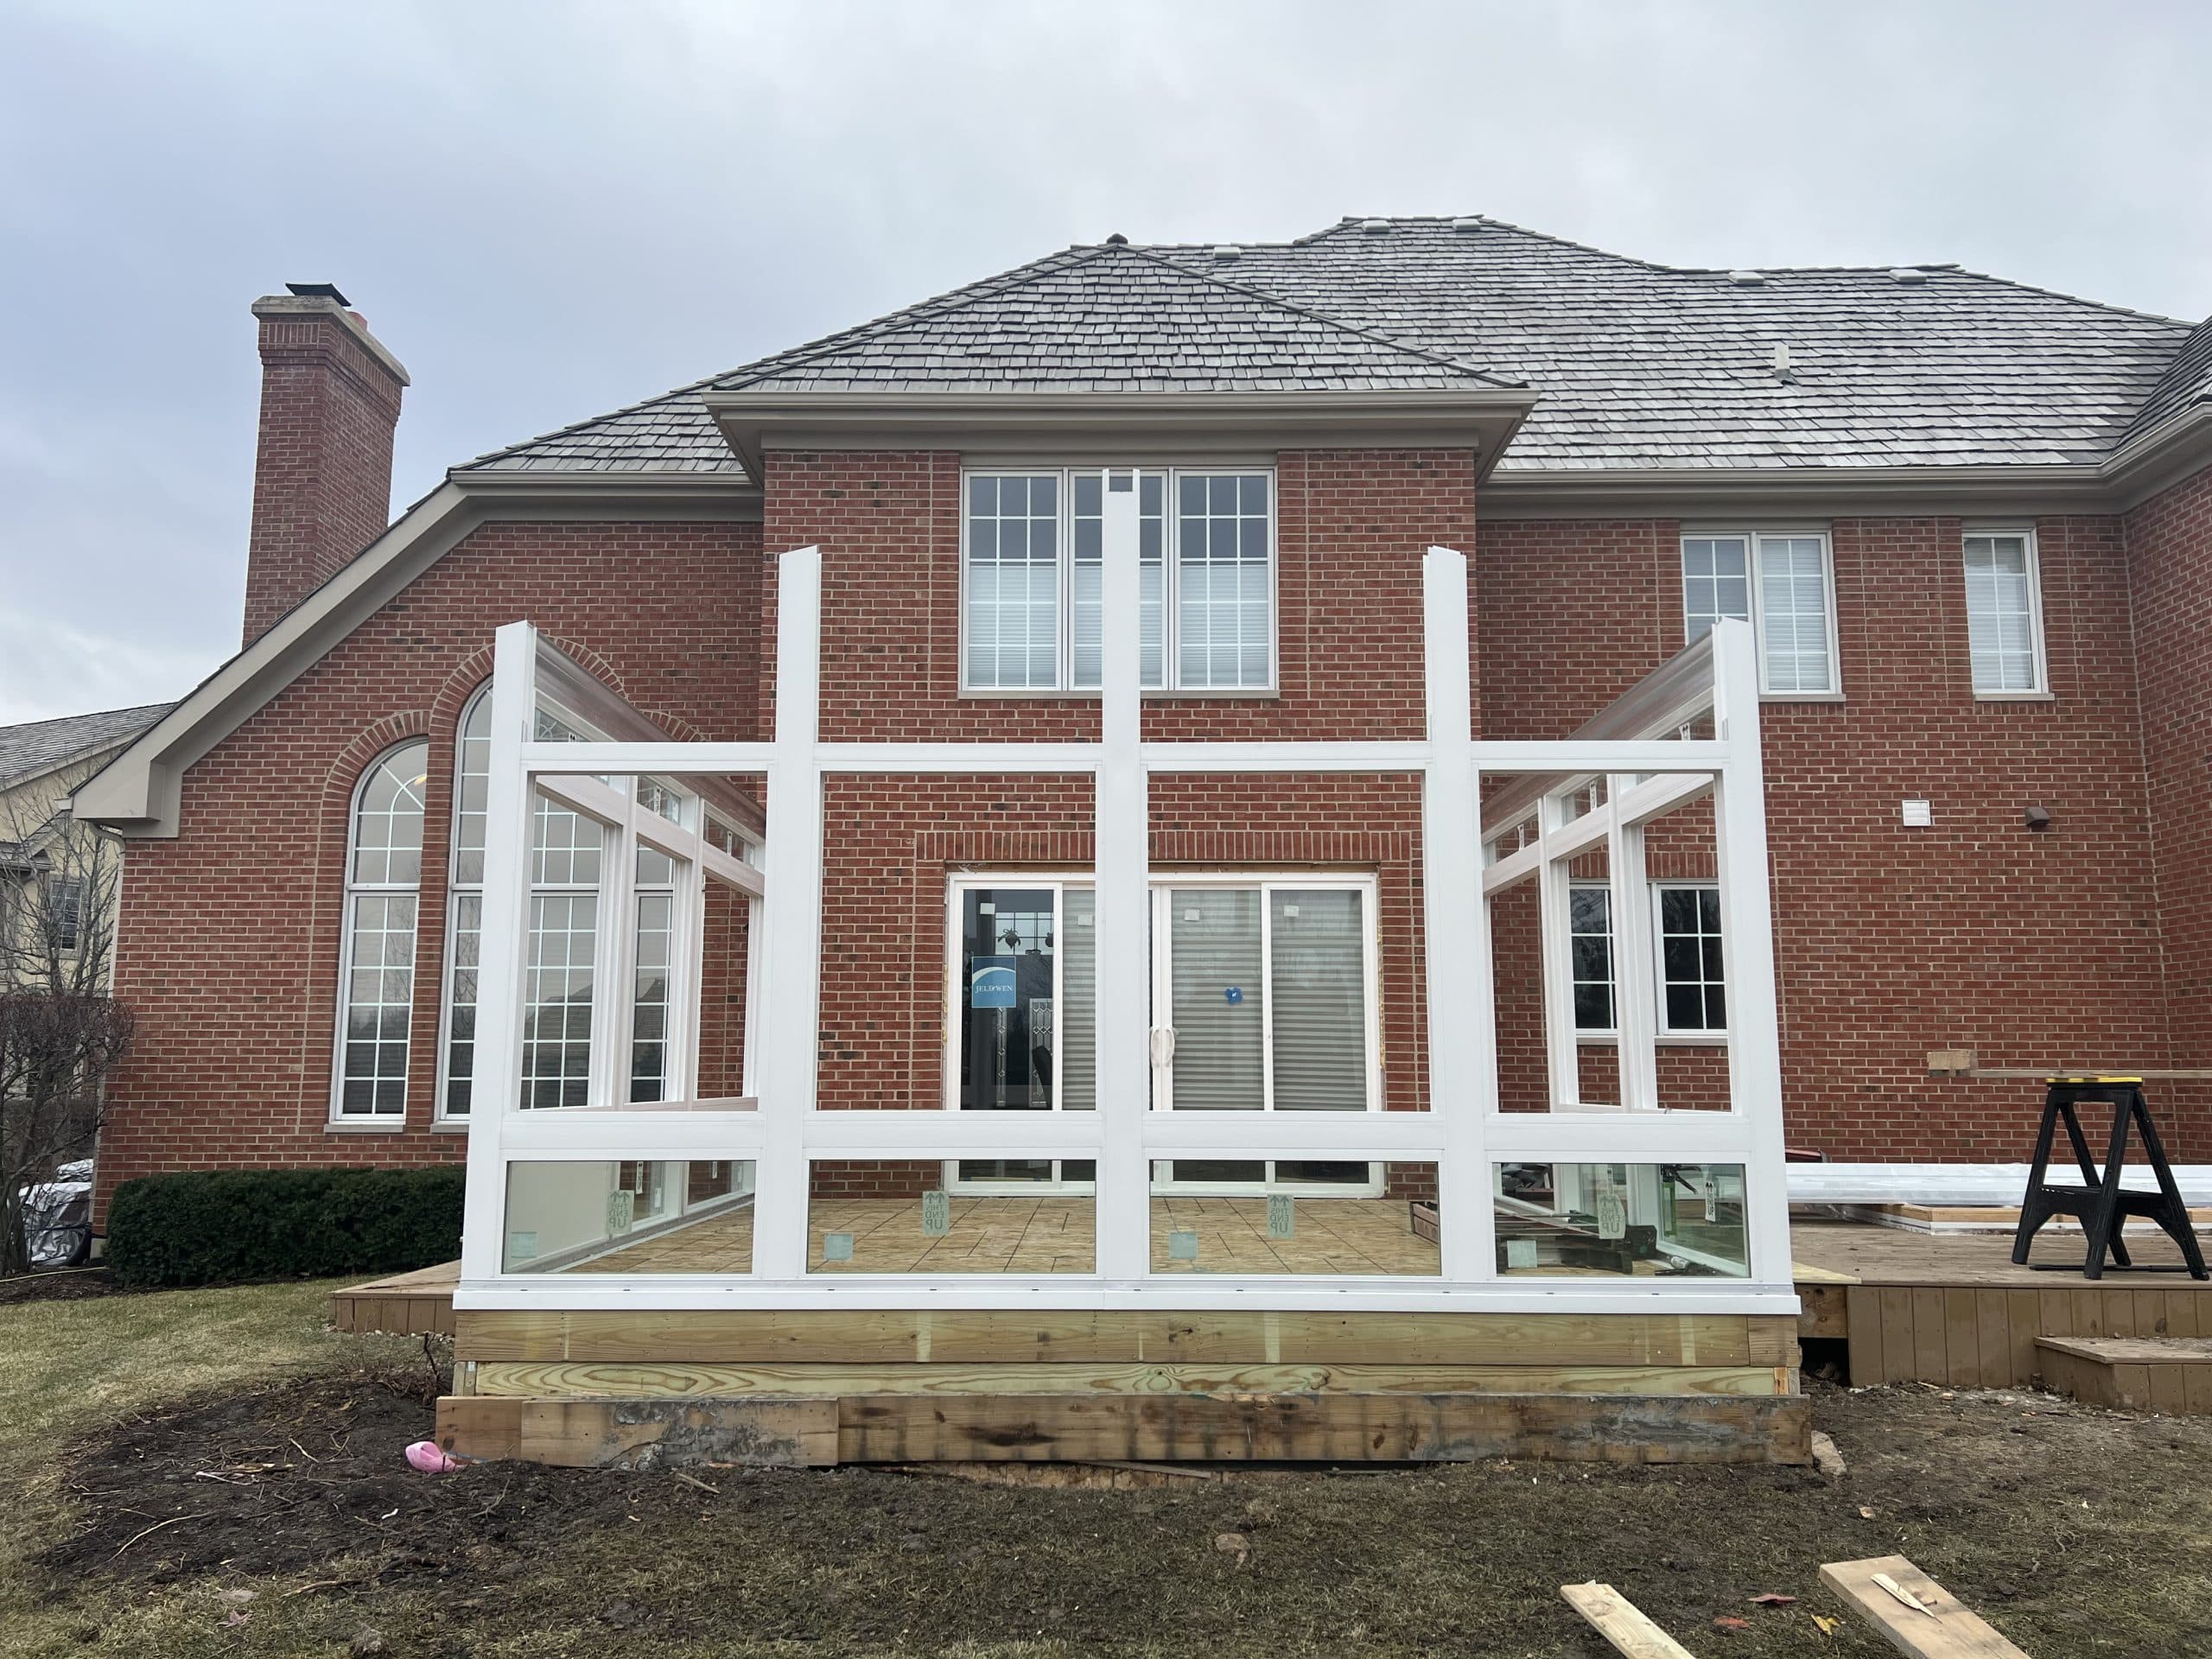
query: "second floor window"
2003, 615
1033, 555
1780, 584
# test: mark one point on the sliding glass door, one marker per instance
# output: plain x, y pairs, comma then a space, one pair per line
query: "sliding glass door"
1267, 991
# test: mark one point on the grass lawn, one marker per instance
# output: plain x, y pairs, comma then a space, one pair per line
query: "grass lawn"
233, 1486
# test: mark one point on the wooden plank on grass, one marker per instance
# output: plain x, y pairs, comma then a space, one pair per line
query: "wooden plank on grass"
1938, 1627
1616, 1619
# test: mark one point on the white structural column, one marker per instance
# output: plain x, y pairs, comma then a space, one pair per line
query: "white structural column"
1635, 1003
1462, 1024
1747, 928
504, 944
1123, 906
789, 1020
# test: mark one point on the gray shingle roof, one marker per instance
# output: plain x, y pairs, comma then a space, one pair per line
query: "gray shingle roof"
1638, 364
26, 751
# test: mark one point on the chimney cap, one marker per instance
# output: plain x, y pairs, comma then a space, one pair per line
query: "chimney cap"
318, 291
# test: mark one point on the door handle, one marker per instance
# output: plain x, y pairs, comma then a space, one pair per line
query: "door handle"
1163, 1046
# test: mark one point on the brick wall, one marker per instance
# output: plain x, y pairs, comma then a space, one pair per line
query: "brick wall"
228, 947
2169, 562
1976, 933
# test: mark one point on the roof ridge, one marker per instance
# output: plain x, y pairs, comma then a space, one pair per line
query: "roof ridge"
1317, 315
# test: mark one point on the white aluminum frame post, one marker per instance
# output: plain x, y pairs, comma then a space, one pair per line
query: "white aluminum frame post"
1462, 1132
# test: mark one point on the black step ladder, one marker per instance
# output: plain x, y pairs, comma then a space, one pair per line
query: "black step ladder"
2101, 1203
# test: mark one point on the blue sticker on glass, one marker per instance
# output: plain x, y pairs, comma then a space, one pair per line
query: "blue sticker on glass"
1233, 994
990, 982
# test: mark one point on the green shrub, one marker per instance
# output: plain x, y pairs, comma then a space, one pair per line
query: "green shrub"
214, 1226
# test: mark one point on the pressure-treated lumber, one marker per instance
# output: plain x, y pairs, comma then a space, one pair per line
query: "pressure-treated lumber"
1946, 1629
583, 1379
641, 1433
1616, 1619
1142, 1427
1122, 1336
2170, 1375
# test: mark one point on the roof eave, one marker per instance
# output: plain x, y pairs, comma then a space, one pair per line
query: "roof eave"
2160, 457
1108, 426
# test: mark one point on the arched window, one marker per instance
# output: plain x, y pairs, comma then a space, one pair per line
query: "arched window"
383, 873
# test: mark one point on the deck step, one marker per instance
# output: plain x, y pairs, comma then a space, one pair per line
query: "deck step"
2171, 1374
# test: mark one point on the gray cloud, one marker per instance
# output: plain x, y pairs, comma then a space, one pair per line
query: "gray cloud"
550, 210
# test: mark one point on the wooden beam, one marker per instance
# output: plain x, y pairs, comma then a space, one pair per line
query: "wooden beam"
1116, 1336
1936, 1625
1616, 1619
1323, 1428
584, 1379
640, 1433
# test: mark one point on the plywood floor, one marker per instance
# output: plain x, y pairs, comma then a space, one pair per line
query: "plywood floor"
1054, 1234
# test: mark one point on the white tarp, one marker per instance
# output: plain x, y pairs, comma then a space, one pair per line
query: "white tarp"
57, 1215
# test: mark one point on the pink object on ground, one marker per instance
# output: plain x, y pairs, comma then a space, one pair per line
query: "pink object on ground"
427, 1456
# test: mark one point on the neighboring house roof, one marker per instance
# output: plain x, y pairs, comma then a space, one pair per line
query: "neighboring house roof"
1637, 365
43, 746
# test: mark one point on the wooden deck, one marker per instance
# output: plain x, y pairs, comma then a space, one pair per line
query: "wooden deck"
1952, 1309
407, 1304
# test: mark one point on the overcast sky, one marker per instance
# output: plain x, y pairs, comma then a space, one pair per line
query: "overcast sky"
548, 210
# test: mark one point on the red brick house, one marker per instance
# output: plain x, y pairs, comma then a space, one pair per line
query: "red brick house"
1990, 501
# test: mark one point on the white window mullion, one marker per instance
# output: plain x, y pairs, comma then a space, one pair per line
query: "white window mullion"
613, 966
1267, 997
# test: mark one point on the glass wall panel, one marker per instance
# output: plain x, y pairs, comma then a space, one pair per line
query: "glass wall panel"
1287, 1232
1621, 1220
583, 1216
896, 1215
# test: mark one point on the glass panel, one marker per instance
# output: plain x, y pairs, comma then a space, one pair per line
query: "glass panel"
1590, 951
1013, 580
1313, 1232
1715, 583
1225, 604
581, 1217
1621, 1220
897, 1216
388, 820
379, 1000
2000, 614
460, 1018
1794, 614
1218, 1005
1317, 945
558, 987
1694, 996
1077, 1061
1007, 1026
472, 778
656, 941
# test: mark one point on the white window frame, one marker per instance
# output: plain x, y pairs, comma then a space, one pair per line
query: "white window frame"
1752, 537
1667, 1036
1668, 1032
2040, 691
1064, 569
349, 890
456, 890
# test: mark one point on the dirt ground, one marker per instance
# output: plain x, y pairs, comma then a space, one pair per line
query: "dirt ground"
286, 1521
59, 1284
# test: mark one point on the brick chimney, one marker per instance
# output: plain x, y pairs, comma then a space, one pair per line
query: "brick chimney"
323, 472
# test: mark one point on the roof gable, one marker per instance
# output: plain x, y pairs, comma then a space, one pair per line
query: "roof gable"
43, 746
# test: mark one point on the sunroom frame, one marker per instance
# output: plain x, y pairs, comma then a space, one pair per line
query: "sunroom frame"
1463, 1133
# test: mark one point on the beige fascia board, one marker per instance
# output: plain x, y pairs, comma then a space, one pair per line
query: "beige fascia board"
138, 792
1819, 492
1117, 425
533, 496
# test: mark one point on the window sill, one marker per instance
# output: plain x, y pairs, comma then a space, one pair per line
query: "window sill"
2016, 696
449, 1126
1802, 697
365, 1126
1149, 694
